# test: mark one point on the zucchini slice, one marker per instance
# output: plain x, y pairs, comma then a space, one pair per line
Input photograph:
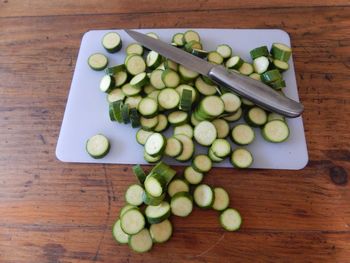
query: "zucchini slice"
112, 42
241, 158
155, 144
276, 131
230, 219
222, 128
161, 232
177, 186
205, 133
192, 176
188, 148
141, 242
201, 163
173, 147
97, 146
181, 204
119, 235
132, 221
203, 196
222, 199
133, 195
242, 134
98, 61
157, 213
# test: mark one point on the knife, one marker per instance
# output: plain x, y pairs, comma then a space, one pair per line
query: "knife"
253, 90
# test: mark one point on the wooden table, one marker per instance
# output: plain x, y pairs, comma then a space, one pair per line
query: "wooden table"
59, 212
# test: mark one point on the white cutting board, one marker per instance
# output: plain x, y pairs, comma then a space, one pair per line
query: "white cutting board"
87, 108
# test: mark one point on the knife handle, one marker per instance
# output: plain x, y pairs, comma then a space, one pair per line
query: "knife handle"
256, 91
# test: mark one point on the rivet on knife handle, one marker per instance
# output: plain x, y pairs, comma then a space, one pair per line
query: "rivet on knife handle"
259, 93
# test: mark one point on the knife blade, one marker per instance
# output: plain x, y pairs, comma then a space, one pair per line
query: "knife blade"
256, 91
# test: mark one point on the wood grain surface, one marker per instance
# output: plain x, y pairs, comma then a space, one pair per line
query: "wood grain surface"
60, 212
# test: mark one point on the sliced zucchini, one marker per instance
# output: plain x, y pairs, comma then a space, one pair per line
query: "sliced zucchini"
255, 76
133, 195
256, 117
119, 235
139, 80
133, 101
224, 50
205, 133
275, 116
231, 102
139, 173
156, 79
165, 171
234, 62
115, 95
130, 90
151, 200
192, 176
185, 129
213, 157
180, 89
261, 64
259, 52
204, 88
170, 78
170, 64
112, 42
181, 204
221, 148
235, 116
194, 120
98, 61
192, 45
215, 58
271, 76
115, 69
242, 134
241, 158
161, 232
246, 69
120, 78
281, 51
280, 65
173, 147
177, 186
142, 136
162, 123
153, 60
125, 112
186, 100
157, 213
201, 163
132, 221
203, 196
187, 74
107, 83
97, 146
191, 35
141, 242
148, 107
230, 219
155, 184
212, 106
135, 64
151, 159
134, 48
276, 131
177, 118
155, 145
222, 128
178, 39
188, 148
126, 208
278, 84
149, 124
134, 117
168, 98
199, 53
222, 199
